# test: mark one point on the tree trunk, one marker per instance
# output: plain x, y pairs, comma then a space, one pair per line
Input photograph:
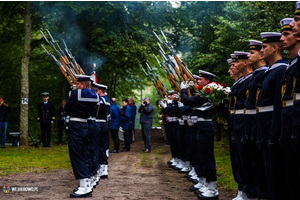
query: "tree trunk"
24, 78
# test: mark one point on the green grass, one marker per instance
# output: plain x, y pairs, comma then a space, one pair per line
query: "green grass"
31, 159
223, 165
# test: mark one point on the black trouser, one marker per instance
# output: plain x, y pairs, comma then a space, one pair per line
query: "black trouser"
240, 174
274, 166
205, 133
78, 143
102, 153
130, 133
61, 126
181, 138
46, 134
116, 140
174, 142
127, 140
94, 130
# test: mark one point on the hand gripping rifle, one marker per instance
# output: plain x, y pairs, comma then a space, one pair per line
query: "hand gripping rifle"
157, 80
187, 75
61, 67
155, 84
170, 75
61, 58
77, 67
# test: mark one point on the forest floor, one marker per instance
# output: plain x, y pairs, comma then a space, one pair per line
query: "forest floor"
132, 175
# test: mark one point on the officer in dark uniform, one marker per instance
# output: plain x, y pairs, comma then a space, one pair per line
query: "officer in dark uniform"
269, 107
292, 45
257, 186
46, 117
80, 106
205, 132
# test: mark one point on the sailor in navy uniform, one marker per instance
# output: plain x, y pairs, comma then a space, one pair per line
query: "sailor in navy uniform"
205, 132
292, 45
80, 106
103, 110
237, 76
257, 186
269, 107
171, 110
46, 117
295, 138
239, 104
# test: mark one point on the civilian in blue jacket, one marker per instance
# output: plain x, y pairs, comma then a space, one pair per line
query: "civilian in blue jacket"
115, 114
125, 123
146, 110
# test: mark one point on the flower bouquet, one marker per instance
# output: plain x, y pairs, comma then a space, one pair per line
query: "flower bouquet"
216, 94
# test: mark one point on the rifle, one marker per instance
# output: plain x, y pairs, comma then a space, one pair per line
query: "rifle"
155, 84
170, 75
62, 59
61, 67
187, 75
76, 66
157, 79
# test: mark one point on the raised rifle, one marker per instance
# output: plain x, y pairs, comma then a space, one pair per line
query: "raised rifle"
77, 67
155, 84
61, 67
170, 75
187, 75
159, 83
61, 58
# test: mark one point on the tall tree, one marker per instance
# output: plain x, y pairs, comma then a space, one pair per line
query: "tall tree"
24, 77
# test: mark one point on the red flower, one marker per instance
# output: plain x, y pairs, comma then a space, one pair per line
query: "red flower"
223, 84
207, 90
200, 87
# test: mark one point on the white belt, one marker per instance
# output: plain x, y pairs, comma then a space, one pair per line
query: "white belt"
201, 119
250, 112
231, 112
172, 119
265, 109
100, 120
184, 117
238, 112
76, 119
297, 96
289, 103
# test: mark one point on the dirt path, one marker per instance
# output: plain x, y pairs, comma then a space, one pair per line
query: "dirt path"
132, 175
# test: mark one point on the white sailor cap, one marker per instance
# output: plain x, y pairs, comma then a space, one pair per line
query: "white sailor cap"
232, 57
255, 45
285, 24
270, 37
206, 74
196, 77
171, 92
100, 86
297, 11
229, 61
45, 94
83, 78
241, 55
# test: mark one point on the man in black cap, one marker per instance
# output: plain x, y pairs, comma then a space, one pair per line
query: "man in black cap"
257, 186
269, 107
46, 117
205, 132
292, 45
80, 106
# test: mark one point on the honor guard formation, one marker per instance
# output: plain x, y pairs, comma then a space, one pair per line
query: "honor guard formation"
262, 108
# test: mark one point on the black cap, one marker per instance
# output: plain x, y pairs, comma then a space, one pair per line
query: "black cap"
45, 94
205, 74
83, 78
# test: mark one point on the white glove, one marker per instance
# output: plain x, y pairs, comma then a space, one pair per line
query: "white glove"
163, 105
184, 85
191, 83
176, 96
180, 105
165, 99
169, 101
